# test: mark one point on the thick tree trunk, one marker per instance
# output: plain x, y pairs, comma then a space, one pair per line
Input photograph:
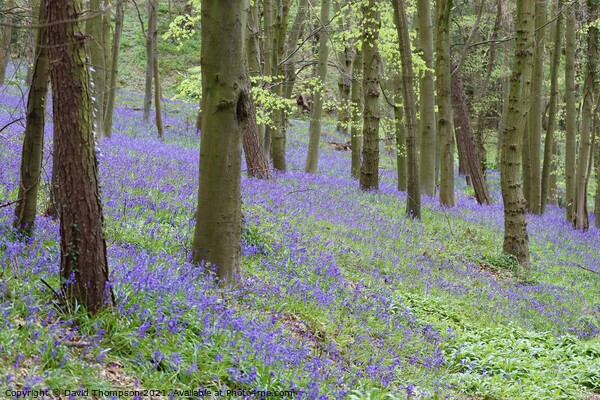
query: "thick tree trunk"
31, 158
590, 91
84, 266
357, 100
466, 143
369, 171
570, 112
516, 240
217, 236
444, 102
535, 136
114, 70
345, 57
427, 126
400, 133
413, 203
550, 144
96, 46
312, 160
257, 164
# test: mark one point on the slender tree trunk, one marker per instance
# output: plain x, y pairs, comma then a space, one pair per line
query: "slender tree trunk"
153, 28
413, 203
267, 46
149, 62
427, 126
535, 116
400, 132
96, 46
114, 70
345, 57
257, 164
253, 57
444, 103
5, 38
516, 240
369, 171
580, 210
357, 100
107, 50
84, 265
31, 158
217, 236
278, 137
550, 143
466, 142
570, 111
312, 160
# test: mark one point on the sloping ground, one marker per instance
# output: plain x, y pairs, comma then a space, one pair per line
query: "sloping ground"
342, 296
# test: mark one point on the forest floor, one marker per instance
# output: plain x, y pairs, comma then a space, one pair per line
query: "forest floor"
341, 295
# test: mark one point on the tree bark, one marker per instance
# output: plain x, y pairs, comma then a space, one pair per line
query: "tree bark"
427, 131
570, 112
535, 142
153, 30
369, 171
466, 143
84, 265
5, 38
444, 102
114, 70
312, 160
549, 145
217, 235
413, 203
400, 132
590, 91
33, 144
345, 64
149, 62
516, 240
357, 100
96, 46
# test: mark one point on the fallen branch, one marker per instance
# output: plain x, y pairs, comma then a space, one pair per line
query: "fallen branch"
587, 269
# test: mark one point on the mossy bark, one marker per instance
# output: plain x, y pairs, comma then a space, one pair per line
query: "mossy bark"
217, 235
33, 143
357, 100
312, 159
369, 171
443, 84
516, 239
413, 203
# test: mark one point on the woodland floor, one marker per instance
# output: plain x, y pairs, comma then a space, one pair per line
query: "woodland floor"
341, 295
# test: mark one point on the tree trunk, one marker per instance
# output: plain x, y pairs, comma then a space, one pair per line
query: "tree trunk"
153, 30
114, 70
427, 126
535, 116
278, 137
96, 46
217, 236
33, 144
400, 131
413, 203
257, 164
5, 38
580, 210
267, 46
312, 160
516, 240
149, 62
345, 64
84, 265
570, 112
444, 103
369, 171
549, 145
466, 143
357, 100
